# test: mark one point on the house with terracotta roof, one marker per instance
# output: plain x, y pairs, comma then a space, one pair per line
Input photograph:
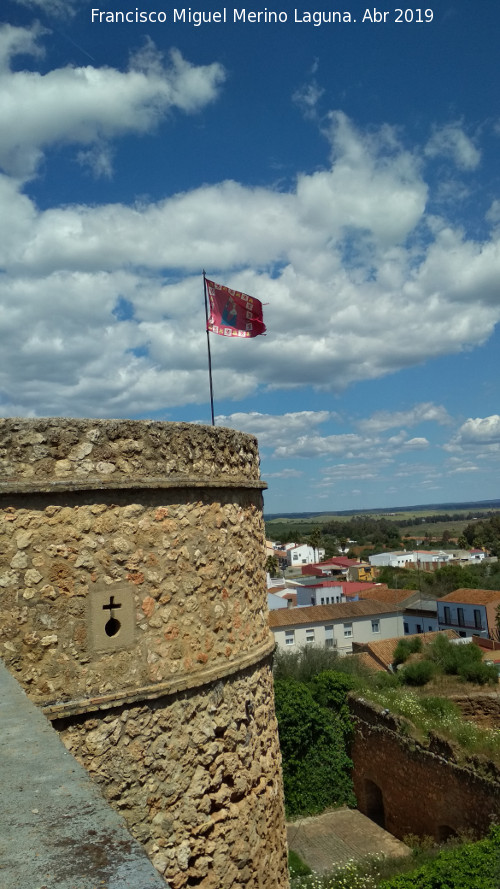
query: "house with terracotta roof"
419, 612
470, 612
335, 626
341, 566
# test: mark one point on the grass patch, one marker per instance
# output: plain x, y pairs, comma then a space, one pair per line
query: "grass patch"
296, 866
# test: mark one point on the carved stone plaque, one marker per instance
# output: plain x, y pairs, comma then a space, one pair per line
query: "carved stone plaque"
111, 617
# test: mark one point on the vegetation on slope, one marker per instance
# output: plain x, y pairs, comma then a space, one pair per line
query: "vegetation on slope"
459, 865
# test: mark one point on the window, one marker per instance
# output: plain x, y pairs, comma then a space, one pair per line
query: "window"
419, 628
460, 617
322, 600
477, 619
347, 630
375, 626
447, 614
289, 637
329, 636
309, 636
407, 628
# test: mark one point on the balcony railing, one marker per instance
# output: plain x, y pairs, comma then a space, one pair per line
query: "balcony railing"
461, 624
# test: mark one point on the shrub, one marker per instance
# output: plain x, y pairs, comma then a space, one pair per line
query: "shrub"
469, 866
478, 672
404, 648
419, 673
305, 663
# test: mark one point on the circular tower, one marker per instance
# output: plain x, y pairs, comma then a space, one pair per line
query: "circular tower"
132, 609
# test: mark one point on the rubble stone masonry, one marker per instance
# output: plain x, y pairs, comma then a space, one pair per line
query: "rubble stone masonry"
132, 609
425, 789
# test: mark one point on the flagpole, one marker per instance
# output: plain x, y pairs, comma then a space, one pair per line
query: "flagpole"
208, 347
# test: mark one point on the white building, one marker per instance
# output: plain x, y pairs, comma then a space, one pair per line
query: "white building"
335, 626
326, 593
396, 559
404, 559
304, 555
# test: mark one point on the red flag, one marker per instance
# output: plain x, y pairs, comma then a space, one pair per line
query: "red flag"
233, 313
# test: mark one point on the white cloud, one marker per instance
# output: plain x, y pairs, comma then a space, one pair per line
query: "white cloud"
272, 430
415, 444
88, 105
285, 473
493, 214
321, 446
480, 431
348, 471
61, 8
452, 142
307, 98
359, 282
99, 160
419, 413
14, 40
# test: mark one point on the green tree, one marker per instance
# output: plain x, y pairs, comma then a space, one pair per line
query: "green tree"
316, 767
315, 539
272, 566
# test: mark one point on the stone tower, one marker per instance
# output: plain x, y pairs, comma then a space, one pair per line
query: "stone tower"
132, 610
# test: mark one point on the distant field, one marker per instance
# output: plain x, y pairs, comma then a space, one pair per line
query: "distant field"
396, 517
304, 525
435, 529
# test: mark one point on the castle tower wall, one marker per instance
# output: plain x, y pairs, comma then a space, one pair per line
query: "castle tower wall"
132, 609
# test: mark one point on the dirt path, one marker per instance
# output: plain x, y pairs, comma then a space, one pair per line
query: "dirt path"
336, 837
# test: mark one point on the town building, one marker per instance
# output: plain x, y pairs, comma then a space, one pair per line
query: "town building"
335, 626
470, 612
304, 554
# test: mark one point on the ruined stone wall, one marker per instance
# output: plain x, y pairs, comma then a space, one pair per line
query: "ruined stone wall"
411, 788
132, 608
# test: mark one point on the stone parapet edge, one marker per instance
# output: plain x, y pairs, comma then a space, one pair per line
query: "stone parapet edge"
161, 689
93, 484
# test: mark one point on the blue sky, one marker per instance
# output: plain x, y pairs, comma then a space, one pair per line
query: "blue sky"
346, 175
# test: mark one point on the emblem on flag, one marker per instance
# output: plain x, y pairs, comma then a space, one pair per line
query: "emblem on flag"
233, 313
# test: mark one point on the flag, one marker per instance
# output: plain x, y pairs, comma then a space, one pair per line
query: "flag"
233, 313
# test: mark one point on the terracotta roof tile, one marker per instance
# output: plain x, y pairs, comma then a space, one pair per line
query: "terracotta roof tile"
319, 613
389, 596
472, 597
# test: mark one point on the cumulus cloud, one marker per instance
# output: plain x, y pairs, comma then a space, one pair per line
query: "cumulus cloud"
358, 280
419, 413
479, 431
271, 430
351, 446
452, 142
88, 105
